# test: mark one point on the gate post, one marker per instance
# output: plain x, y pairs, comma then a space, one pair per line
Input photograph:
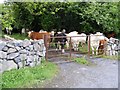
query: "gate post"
70, 49
46, 46
88, 46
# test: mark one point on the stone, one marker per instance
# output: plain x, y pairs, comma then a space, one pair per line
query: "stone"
24, 51
39, 61
12, 55
31, 53
20, 65
18, 43
18, 48
26, 43
27, 48
23, 56
1, 68
3, 55
17, 59
36, 59
5, 49
11, 50
8, 65
39, 53
32, 64
10, 45
31, 47
36, 47
2, 45
41, 41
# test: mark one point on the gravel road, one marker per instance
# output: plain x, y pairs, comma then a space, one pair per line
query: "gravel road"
103, 74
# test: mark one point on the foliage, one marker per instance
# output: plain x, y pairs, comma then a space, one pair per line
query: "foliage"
81, 61
26, 77
80, 16
19, 36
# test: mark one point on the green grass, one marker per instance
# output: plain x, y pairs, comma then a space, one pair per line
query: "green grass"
26, 77
19, 36
81, 61
84, 49
107, 57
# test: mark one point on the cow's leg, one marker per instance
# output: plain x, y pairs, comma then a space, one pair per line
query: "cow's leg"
56, 46
92, 50
62, 47
77, 47
67, 45
97, 50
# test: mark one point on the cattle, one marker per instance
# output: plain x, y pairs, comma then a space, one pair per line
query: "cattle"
76, 39
39, 35
60, 40
95, 41
102, 46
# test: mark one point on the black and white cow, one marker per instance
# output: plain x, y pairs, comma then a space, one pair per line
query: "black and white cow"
60, 40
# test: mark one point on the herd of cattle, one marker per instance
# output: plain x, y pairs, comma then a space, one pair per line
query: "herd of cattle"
99, 43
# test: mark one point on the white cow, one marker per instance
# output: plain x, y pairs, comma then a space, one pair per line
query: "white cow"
76, 39
94, 41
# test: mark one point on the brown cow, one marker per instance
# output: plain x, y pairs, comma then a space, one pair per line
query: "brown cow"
102, 45
39, 35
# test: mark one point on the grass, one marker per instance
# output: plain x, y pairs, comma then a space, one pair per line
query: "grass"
19, 36
81, 61
108, 57
26, 77
84, 49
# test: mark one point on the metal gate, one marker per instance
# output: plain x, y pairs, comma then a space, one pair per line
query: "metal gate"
51, 52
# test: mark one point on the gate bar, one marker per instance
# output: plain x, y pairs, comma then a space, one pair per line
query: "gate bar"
89, 46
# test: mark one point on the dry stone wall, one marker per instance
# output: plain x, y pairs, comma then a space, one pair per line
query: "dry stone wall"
19, 53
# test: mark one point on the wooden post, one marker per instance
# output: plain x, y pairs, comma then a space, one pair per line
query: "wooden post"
46, 46
88, 46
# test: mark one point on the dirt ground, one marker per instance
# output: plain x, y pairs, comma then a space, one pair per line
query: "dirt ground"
103, 73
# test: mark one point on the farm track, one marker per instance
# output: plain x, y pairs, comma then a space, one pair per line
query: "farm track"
102, 74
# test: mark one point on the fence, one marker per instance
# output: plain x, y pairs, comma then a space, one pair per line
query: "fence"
107, 50
68, 50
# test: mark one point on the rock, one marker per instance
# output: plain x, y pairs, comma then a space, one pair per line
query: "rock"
41, 42
17, 60
31, 47
8, 65
40, 53
24, 51
31, 53
3, 55
36, 57
20, 65
5, 49
39, 61
23, 56
26, 43
1, 68
12, 55
36, 47
2, 45
32, 64
10, 45
18, 48
11, 50
27, 48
